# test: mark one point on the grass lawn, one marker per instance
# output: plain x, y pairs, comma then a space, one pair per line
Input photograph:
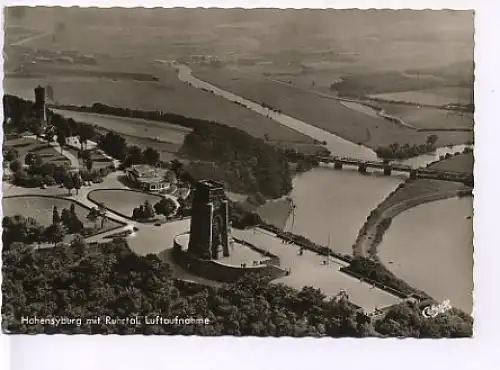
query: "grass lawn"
98, 160
40, 208
322, 112
458, 163
122, 201
26, 145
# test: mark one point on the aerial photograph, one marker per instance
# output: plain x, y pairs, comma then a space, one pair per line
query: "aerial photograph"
238, 172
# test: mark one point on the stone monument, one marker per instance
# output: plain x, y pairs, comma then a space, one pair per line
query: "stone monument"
209, 232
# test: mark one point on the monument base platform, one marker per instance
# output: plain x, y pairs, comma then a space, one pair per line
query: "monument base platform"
244, 259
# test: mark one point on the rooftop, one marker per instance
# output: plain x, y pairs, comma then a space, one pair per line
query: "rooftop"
145, 170
211, 184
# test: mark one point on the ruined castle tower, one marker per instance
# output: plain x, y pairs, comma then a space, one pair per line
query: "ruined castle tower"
39, 106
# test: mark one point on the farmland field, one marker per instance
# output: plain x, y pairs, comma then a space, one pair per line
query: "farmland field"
141, 128
121, 201
167, 95
439, 96
430, 118
322, 112
459, 163
46, 152
40, 208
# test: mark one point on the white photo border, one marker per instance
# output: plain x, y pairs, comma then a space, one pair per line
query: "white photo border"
77, 352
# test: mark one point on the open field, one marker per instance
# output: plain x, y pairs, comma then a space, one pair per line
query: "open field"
418, 188
430, 118
322, 112
120, 201
135, 127
40, 208
438, 96
168, 95
459, 163
44, 150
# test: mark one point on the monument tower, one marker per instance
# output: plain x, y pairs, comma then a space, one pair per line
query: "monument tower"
209, 234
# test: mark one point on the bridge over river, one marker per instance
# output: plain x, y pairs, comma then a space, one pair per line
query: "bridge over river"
388, 167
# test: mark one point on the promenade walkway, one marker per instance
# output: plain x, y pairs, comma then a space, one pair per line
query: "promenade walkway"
310, 269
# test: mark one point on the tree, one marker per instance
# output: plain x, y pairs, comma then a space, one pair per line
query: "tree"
85, 154
137, 213
33, 159
56, 219
77, 182
134, 156
79, 245
89, 164
149, 211
15, 166
36, 127
93, 216
55, 233
165, 207
49, 135
61, 139
176, 166
101, 208
11, 155
432, 139
68, 184
66, 218
86, 133
75, 225
49, 180
151, 156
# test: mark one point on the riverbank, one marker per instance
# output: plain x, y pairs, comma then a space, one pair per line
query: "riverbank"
276, 212
411, 194
354, 125
378, 222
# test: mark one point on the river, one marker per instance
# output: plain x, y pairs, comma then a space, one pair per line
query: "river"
440, 260
334, 143
331, 207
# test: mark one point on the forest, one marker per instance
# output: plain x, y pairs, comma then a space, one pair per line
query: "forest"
80, 281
